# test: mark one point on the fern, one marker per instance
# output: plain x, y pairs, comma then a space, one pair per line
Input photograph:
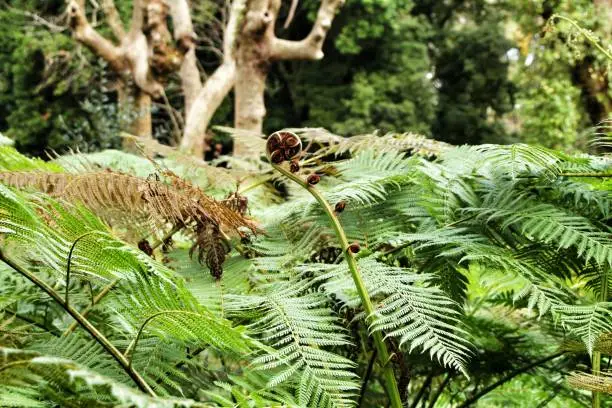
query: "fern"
466, 240
298, 326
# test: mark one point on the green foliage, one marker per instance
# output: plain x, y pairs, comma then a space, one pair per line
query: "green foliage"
456, 253
47, 100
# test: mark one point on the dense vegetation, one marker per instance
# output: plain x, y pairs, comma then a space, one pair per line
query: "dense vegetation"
467, 264
464, 72
463, 267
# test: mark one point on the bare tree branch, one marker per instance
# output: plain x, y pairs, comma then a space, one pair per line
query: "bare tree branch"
216, 87
185, 37
294, 4
113, 19
311, 47
85, 34
212, 94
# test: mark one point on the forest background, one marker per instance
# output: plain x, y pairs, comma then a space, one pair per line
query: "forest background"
457, 71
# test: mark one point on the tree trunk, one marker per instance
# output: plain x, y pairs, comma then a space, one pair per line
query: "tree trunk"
249, 47
214, 91
249, 106
134, 114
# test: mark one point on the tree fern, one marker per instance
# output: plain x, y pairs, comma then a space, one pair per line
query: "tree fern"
299, 327
422, 316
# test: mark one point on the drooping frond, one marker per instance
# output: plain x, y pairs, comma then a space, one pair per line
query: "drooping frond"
545, 223
587, 322
420, 315
169, 310
28, 378
45, 231
178, 203
297, 325
126, 200
539, 288
215, 180
149, 301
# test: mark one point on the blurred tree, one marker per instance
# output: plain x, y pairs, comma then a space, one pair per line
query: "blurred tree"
563, 78
376, 75
47, 100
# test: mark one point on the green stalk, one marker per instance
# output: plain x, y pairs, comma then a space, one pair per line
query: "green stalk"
99, 337
381, 348
596, 367
69, 262
585, 33
131, 349
596, 360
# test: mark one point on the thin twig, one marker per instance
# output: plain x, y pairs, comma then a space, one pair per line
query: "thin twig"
69, 262
421, 392
131, 349
507, 378
439, 391
175, 124
95, 301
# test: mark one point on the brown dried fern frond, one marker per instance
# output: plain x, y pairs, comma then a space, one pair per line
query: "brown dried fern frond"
156, 201
173, 200
598, 383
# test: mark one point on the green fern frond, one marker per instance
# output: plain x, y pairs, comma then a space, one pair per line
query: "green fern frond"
587, 322
545, 223
250, 389
390, 142
169, 310
12, 160
27, 376
298, 326
421, 316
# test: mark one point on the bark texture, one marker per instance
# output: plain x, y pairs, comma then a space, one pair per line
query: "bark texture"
144, 55
250, 47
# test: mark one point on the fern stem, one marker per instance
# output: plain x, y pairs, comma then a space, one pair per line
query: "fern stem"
69, 262
83, 322
14, 364
170, 233
440, 390
105, 290
596, 359
426, 384
131, 349
366, 378
596, 369
381, 348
